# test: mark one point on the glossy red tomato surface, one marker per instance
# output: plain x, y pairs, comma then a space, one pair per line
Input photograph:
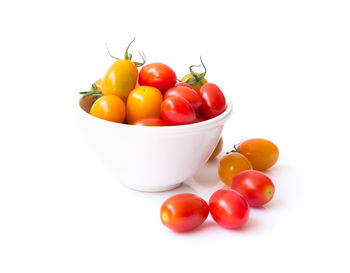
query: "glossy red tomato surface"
151, 121
228, 208
157, 75
177, 111
213, 100
199, 118
256, 187
187, 93
184, 212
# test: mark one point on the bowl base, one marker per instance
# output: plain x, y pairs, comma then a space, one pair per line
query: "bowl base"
152, 189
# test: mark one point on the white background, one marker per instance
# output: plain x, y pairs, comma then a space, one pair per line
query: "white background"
284, 64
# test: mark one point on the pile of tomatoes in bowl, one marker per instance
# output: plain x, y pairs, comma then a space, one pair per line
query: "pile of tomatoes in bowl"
152, 96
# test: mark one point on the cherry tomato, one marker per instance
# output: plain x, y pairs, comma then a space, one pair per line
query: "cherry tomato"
254, 186
232, 164
187, 93
195, 86
262, 153
143, 102
151, 121
110, 108
218, 149
228, 208
184, 84
121, 77
98, 84
184, 212
177, 111
157, 75
213, 100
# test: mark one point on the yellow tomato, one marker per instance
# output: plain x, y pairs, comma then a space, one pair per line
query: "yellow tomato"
143, 102
110, 108
120, 79
195, 86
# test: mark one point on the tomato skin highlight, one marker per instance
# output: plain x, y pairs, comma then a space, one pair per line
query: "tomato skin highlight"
177, 111
213, 100
143, 102
254, 186
110, 108
184, 212
150, 121
120, 79
157, 75
228, 208
187, 93
262, 153
232, 164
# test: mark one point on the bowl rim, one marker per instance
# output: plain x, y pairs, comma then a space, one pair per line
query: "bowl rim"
173, 129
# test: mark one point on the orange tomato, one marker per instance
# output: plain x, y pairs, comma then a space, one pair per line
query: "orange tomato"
143, 102
195, 86
110, 108
232, 164
262, 153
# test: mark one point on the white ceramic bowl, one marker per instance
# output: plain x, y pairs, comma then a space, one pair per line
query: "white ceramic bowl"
154, 159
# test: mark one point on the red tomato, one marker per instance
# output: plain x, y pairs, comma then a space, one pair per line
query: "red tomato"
228, 208
184, 212
213, 100
187, 93
184, 84
254, 186
151, 121
157, 75
177, 111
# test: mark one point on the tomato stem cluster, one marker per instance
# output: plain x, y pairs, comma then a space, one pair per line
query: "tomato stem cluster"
197, 79
235, 148
94, 93
128, 56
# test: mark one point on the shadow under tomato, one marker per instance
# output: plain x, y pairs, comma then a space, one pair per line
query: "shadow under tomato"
208, 175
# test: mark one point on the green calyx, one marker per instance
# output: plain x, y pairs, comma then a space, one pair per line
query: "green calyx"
128, 56
197, 79
94, 93
235, 148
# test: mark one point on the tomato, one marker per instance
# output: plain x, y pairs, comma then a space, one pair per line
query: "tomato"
213, 100
218, 149
143, 102
232, 164
254, 186
157, 75
195, 86
196, 80
110, 108
183, 84
121, 77
184, 212
262, 153
151, 121
177, 111
228, 208
187, 93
